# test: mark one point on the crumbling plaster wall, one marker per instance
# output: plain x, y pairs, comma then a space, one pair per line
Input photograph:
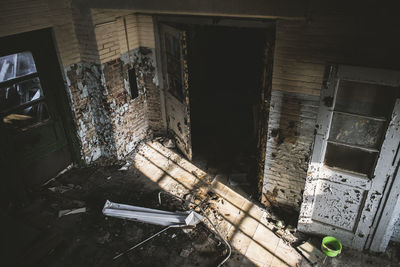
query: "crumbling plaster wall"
396, 231
302, 50
96, 48
110, 123
347, 33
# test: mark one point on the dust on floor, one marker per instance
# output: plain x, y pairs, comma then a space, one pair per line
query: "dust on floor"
92, 239
36, 236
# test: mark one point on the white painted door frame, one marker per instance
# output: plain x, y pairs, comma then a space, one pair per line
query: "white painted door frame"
354, 200
175, 86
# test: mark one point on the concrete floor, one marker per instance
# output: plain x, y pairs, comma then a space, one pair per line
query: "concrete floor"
91, 239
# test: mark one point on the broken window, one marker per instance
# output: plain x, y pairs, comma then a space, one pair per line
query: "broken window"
21, 95
358, 125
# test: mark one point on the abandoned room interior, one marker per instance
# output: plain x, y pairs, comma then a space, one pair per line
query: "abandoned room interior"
199, 133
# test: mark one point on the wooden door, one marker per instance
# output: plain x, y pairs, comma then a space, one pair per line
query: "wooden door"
175, 81
354, 153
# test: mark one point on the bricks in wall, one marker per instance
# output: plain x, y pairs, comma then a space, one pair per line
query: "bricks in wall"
110, 123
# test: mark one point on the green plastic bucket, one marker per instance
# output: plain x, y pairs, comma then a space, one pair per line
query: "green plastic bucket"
331, 246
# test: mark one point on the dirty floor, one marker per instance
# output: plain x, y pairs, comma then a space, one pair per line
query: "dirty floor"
35, 235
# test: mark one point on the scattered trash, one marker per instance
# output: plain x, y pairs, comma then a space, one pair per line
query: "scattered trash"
286, 235
169, 143
109, 178
58, 174
208, 219
71, 211
153, 216
173, 235
311, 253
279, 224
104, 238
61, 189
125, 167
186, 252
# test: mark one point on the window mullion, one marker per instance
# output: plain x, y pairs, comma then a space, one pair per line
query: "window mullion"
13, 81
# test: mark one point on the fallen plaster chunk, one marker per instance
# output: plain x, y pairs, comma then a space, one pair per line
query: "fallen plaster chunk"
60, 189
311, 253
186, 252
71, 211
169, 143
152, 216
125, 167
69, 167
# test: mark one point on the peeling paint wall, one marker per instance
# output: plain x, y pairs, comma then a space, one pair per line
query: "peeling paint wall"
330, 33
396, 231
290, 135
110, 124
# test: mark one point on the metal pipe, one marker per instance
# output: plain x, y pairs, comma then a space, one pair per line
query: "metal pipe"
144, 241
205, 215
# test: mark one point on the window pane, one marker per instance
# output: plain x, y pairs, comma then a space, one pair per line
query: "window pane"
26, 65
28, 116
356, 130
365, 98
350, 159
16, 65
20, 93
172, 45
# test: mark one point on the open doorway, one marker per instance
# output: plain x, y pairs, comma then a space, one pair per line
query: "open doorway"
216, 79
226, 67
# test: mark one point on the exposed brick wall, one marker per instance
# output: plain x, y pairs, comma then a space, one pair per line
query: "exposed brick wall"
114, 123
110, 123
107, 40
88, 103
93, 48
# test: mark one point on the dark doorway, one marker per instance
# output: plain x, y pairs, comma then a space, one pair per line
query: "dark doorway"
226, 67
36, 128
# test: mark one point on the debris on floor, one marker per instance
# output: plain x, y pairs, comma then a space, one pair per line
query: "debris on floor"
92, 239
125, 167
62, 188
71, 211
153, 216
169, 143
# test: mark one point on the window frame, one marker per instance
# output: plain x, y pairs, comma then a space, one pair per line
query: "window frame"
333, 75
13, 81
